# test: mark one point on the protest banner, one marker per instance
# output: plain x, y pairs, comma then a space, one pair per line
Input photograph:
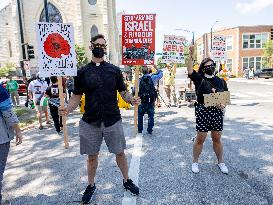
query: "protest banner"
138, 39
218, 50
56, 49
173, 49
57, 56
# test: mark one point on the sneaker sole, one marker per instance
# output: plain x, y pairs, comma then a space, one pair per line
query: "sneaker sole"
90, 199
127, 190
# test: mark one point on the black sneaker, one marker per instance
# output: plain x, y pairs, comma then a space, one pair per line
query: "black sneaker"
129, 185
88, 194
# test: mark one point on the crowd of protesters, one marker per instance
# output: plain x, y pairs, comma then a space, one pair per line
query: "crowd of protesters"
99, 82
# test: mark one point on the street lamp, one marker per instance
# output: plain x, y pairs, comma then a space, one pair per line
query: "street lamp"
181, 29
211, 33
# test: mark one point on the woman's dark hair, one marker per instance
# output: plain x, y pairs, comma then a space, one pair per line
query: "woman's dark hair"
94, 38
53, 79
202, 65
145, 70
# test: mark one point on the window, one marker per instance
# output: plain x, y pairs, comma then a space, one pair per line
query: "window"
229, 43
92, 2
54, 15
94, 31
258, 63
254, 40
10, 49
229, 63
253, 62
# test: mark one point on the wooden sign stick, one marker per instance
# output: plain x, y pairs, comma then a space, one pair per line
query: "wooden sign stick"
61, 95
136, 95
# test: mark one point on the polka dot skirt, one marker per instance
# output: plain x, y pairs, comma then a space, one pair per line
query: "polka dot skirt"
208, 118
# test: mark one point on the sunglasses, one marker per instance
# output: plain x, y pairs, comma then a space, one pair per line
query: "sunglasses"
96, 45
209, 66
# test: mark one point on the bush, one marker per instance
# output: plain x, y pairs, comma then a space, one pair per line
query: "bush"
7, 70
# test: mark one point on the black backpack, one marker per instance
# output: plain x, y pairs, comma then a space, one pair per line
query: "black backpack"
147, 91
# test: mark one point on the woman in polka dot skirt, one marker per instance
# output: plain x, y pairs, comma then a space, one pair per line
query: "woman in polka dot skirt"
207, 118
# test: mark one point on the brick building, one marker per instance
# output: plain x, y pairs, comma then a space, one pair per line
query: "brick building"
244, 45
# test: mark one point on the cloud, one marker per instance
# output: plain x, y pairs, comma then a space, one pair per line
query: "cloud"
254, 6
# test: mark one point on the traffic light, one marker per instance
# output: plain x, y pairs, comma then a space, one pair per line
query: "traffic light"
30, 52
271, 34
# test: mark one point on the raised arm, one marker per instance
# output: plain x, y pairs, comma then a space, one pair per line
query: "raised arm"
174, 68
190, 60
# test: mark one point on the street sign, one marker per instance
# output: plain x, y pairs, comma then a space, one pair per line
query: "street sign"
27, 68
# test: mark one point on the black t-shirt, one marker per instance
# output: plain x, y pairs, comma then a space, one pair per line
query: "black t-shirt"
100, 85
205, 85
53, 91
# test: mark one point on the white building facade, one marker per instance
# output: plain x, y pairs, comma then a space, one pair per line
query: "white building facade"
89, 17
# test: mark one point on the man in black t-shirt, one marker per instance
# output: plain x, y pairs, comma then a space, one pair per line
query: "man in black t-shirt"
207, 118
100, 81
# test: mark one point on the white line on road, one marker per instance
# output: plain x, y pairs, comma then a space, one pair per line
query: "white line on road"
250, 101
257, 94
134, 170
240, 95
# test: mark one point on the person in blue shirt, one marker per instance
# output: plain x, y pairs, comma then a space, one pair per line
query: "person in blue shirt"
155, 76
148, 96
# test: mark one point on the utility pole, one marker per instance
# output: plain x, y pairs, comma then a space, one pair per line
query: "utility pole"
46, 10
22, 38
211, 34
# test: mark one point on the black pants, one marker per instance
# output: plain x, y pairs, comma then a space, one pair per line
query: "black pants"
56, 118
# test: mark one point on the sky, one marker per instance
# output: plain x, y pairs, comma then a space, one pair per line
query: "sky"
199, 15
196, 15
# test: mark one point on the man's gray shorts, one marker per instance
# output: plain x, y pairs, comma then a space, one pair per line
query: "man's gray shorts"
91, 137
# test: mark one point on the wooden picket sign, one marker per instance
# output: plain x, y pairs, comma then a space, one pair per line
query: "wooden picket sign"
61, 95
136, 95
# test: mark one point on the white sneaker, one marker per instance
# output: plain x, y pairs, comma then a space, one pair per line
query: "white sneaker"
223, 168
195, 168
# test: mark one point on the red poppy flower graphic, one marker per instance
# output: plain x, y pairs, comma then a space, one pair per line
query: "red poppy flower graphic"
55, 46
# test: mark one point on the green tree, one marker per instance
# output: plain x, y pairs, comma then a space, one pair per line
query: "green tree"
7, 70
82, 59
159, 63
268, 54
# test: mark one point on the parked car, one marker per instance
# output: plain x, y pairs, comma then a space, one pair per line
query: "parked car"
22, 86
266, 73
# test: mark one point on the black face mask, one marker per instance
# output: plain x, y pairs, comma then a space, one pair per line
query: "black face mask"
209, 70
98, 52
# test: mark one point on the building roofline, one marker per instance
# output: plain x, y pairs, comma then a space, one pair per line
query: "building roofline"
236, 27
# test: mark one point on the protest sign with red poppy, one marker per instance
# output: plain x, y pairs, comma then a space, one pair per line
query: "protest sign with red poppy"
138, 39
56, 48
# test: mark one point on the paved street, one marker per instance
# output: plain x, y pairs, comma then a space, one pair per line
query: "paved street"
41, 171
